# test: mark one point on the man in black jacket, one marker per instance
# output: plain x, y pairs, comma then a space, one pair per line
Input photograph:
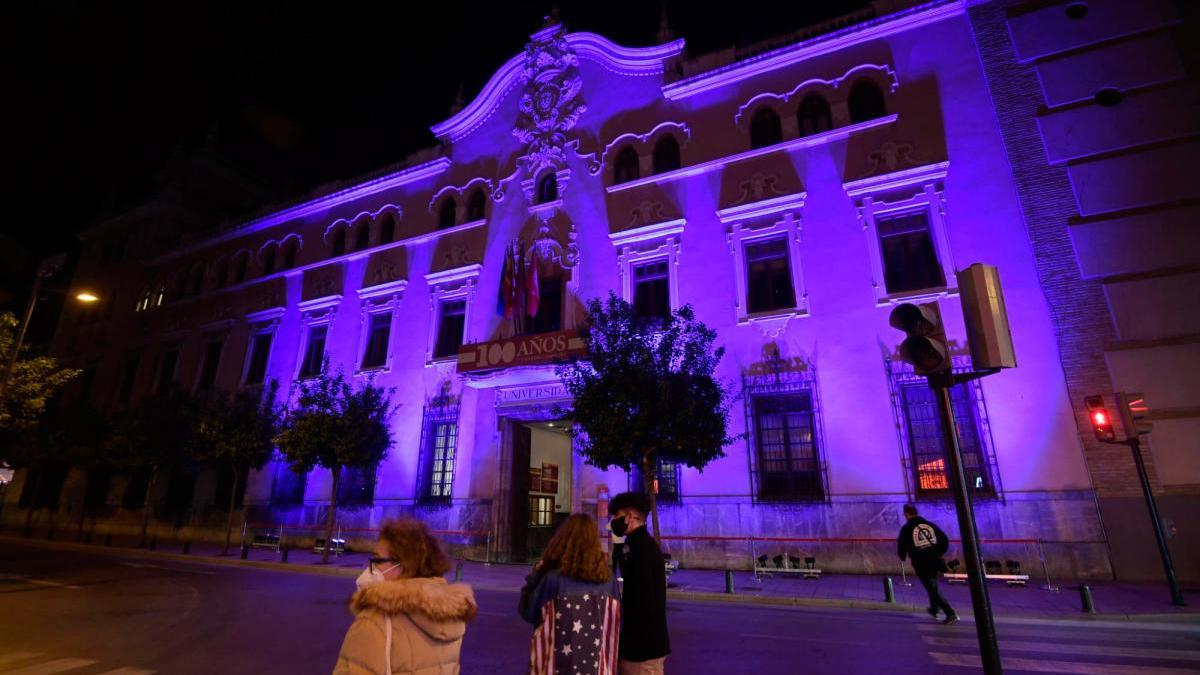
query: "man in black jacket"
644, 643
924, 544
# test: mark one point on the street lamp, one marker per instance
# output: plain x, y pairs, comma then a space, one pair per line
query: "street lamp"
48, 268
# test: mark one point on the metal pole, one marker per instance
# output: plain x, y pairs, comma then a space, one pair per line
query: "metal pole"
1168, 567
985, 629
16, 349
1042, 554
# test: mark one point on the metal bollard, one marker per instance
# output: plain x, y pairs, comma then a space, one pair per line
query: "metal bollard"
283, 553
1085, 597
729, 581
889, 592
153, 542
187, 547
458, 571
245, 551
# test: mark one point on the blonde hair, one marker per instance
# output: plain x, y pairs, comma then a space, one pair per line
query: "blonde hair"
410, 543
575, 550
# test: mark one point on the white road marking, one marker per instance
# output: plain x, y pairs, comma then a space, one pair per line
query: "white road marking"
801, 638
129, 671
1067, 648
51, 667
1131, 637
1071, 667
37, 582
11, 658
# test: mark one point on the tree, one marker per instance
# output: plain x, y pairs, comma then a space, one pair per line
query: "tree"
75, 435
153, 437
335, 425
25, 390
237, 434
646, 392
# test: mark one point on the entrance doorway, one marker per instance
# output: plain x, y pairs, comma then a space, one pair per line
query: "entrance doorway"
542, 485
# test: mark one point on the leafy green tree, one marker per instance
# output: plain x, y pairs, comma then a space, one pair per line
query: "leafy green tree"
235, 434
154, 437
334, 425
25, 390
646, 392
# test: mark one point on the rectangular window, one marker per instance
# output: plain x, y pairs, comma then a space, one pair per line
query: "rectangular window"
550, 300
786, 435
288, 488
541, 511
926, 444
379, 329
208, 370
441, 442
450, 328
260, 349
667, 476
314, 352
128, 377
166, 371
910, 261
651, 290
356, 486
769, 276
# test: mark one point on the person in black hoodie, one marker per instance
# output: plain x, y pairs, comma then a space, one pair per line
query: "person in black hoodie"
924, 544
644, 642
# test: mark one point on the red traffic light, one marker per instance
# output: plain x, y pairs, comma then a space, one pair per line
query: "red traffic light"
1101, 421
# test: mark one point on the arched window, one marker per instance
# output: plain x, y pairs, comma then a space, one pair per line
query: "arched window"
387, 228
362, 238
448, 214
475, 207
666, 155
814, 115
626, 168
547, 188
765, 128
339, 242
866, 101
239, 270
289, 254
268, 260
223, 273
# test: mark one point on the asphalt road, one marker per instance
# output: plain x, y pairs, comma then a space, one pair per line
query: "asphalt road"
87, 614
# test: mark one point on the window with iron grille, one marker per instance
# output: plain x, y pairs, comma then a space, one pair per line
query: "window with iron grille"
260, 349
910, 261
789, 466
667, 475
450, 328
769, 276
379, 330
541, 511
652, 290
549, 315
356, 486
288, 488
923, 443
439, 449
314, 351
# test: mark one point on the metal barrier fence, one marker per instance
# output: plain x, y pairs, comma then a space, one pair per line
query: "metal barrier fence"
755, 544
279, 536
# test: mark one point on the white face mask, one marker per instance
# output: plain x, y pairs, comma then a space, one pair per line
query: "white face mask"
369, 577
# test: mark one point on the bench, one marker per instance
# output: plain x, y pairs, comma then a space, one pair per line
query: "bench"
338, 545
265, 541
787, 565
992, 572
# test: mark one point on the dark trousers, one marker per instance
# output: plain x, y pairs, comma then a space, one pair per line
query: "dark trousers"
936, 601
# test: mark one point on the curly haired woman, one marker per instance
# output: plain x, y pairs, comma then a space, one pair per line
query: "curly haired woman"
407, 618
572, 598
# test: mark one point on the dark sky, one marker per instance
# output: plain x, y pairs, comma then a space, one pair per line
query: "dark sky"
300, 93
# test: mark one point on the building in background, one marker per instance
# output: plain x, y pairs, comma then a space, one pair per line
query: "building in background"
793, 193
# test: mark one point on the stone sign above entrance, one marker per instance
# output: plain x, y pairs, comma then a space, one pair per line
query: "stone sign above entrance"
537, 393
521, 350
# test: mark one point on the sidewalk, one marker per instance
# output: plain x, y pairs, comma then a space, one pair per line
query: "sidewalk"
1113, 600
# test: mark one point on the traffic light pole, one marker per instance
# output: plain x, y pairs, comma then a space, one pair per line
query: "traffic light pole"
985, 628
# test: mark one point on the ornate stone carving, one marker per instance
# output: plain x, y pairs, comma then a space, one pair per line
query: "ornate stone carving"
647, 213
551, 103
546, 247
891, 156
457, 256
757, 188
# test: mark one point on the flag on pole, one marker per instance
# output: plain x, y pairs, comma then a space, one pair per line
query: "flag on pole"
532, 292
503, 306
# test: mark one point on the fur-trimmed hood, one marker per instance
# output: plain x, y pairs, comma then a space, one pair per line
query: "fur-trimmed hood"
438, 608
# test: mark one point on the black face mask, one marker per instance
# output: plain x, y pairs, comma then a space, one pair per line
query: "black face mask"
619, 526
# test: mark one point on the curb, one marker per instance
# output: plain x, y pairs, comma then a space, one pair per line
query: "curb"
332, 569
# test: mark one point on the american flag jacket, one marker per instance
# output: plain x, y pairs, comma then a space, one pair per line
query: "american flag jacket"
577, 624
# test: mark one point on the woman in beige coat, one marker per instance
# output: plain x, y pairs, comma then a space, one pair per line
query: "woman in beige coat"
407, 618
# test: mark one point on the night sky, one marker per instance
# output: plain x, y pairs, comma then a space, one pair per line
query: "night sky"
298, 93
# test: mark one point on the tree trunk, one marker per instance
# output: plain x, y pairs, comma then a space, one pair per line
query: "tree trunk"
329, 519
232, 501
146, 505
33, 501
649, 474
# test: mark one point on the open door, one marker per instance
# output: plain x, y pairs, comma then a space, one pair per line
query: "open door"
519, 496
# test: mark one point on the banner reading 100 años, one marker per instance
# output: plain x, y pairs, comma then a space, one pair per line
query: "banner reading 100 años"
521, 350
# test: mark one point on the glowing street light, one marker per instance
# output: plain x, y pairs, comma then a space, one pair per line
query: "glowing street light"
86, 296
